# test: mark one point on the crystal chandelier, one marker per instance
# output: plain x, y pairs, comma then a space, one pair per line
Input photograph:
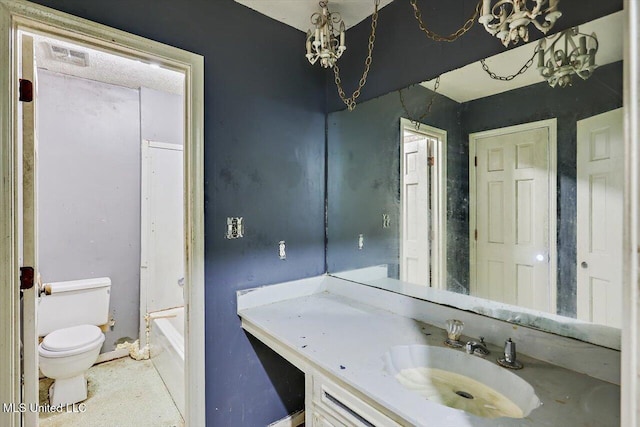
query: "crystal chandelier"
325, 43
509, 19
563, 58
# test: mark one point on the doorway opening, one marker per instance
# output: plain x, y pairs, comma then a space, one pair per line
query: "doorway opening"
423, 219
75, 191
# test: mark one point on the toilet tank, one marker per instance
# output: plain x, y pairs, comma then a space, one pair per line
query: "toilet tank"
73, 303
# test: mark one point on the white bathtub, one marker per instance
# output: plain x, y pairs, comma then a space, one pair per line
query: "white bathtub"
166, 339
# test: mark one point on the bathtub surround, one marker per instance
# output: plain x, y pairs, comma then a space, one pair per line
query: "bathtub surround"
166, 343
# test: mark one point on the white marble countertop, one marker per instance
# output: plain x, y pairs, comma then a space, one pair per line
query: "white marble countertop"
348, 339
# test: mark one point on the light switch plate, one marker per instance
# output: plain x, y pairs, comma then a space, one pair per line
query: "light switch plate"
235, 228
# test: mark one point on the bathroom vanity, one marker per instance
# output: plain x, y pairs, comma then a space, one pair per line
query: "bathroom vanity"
343, 336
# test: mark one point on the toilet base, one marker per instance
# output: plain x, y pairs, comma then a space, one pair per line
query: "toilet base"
68, 391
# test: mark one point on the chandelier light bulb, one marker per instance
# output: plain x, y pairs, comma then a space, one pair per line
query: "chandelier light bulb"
326, 43
509, 20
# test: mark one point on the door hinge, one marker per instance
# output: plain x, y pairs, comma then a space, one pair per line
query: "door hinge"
26, 277
475, 161
475, 234
431, 160
26, 91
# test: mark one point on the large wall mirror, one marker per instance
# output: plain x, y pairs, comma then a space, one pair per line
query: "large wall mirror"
502, 197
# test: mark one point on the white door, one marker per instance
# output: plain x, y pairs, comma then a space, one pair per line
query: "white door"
600, 182
162, 210
511, 238
416, 215
29, 232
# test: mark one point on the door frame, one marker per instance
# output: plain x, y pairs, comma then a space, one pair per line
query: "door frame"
630, 345
551, 125
438, 194
16, 15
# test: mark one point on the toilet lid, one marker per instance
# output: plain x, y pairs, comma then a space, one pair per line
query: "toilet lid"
71, 338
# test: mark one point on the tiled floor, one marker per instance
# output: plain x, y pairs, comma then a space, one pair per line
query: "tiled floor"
122, 393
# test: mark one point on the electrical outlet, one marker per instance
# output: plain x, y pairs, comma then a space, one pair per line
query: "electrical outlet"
386, 221
360, 241
235, 228
282, 250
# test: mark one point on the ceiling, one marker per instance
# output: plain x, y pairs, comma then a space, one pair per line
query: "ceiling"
471, 82
462, 85
108, 68
297, 13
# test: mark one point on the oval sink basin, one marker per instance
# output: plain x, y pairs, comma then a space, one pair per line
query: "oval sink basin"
461, 381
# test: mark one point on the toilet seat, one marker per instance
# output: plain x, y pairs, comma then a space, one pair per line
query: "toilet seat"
71, 341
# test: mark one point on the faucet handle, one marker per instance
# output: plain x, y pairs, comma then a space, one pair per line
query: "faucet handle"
509, 360
510, 351
454, 330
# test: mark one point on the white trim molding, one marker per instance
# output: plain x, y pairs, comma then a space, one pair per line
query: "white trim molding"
438, 196
16, 15
292, 420
630, 363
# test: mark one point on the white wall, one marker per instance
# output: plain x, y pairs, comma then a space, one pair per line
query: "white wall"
161, 115
89, 189
89, 183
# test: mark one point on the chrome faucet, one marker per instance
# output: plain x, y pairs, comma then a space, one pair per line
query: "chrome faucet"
477, 348
509, 359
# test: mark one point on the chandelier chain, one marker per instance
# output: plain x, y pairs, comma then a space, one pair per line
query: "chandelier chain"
522, 70
417, 122
350, 102
451, 37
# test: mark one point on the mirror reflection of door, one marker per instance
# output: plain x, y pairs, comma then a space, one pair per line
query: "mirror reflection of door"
422, 205
511, 184
600, 168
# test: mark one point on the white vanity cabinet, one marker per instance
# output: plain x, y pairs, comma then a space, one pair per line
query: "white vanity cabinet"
331, 405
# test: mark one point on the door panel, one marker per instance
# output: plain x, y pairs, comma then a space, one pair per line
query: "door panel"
415, 263
600, 167
512, 219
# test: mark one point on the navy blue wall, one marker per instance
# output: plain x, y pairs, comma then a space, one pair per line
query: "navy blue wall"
403, 55
264, 151
364, 178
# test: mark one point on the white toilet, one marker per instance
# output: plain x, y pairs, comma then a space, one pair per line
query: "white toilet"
68, 317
